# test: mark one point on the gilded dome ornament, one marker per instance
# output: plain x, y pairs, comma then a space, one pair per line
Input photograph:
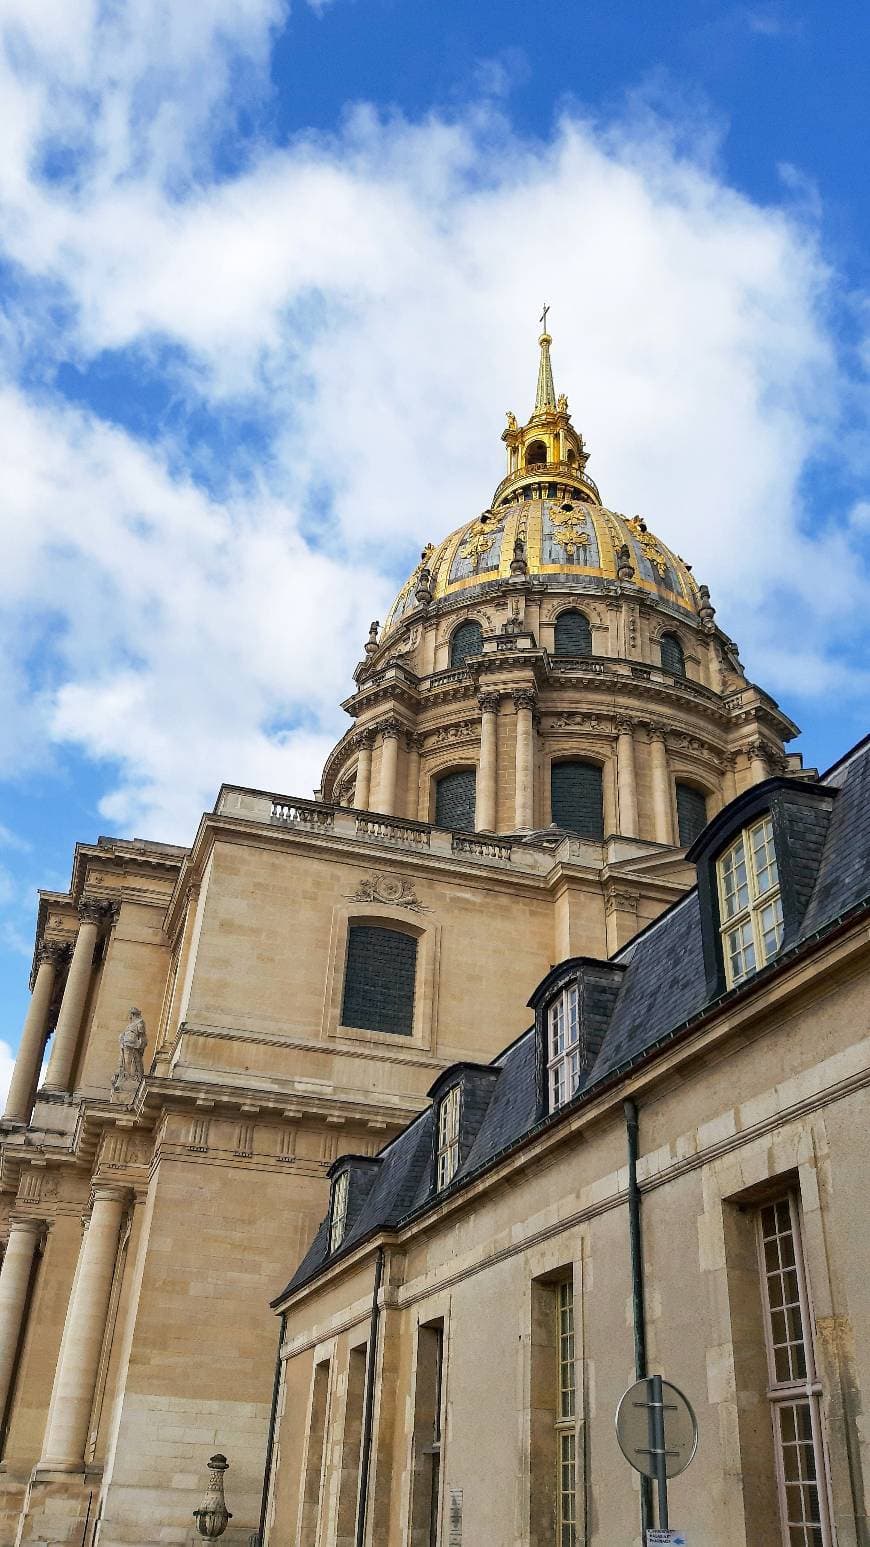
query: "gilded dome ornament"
648, 543
569, 526
480, 537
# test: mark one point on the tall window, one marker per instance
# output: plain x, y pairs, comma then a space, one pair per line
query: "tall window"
576, 798
454, 799
467, 640
315, 1452
572, 634
691, 813
673, 659
448, 1137
338, 1211
750, 906
379, 980
563, 1047
351, 1445
793, 1389
426, 1458
566, 1436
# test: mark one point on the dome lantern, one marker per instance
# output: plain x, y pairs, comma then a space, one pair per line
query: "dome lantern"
547, 445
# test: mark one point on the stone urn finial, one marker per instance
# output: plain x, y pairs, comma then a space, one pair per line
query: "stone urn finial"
371, 643
624, 566
213, 1517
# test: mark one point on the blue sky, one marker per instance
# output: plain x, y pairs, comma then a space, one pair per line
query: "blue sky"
270, 280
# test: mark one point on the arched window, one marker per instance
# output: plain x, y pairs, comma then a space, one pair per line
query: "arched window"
454, 799
576, 798
673, 659
468, 640
572, 634
379, 979
571, 458
536, 454
691, 813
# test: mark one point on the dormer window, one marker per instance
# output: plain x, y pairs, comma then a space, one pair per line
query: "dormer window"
447, 1159
750, 904
338, 1211
563, 1047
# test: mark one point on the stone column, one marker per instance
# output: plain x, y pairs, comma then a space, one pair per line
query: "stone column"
75, 1378
661, 788
389, 768
525, 788
19, 1102
78, 981
24, 1237
758, 768
412, 776
486, 816
362, 790
729, 779
626, 780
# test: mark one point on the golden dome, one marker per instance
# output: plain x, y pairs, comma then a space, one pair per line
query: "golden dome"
568, 544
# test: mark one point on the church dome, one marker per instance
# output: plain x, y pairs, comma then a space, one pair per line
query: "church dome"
546, 524
568, 543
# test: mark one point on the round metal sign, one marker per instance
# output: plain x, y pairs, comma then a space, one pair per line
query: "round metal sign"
635, 1428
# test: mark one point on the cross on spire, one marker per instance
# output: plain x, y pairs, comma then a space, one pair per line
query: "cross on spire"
546, 393
544, 317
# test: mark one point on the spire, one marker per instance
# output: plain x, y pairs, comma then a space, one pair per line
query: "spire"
546, 397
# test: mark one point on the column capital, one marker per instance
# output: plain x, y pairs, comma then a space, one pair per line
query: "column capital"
488, 702
55, 952
391, 728
93, 910
625, 727
364, 738
110, 1192
657, 733
524, 698
27, 1224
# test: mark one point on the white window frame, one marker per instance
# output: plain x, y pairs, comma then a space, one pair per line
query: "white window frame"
447, 1158
746, 920
338, 1210
563, 1046
790, 1394
566, 1415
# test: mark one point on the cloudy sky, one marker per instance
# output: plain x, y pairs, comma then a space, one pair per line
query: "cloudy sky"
271, 278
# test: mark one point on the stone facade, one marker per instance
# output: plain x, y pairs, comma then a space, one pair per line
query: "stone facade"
148, 1220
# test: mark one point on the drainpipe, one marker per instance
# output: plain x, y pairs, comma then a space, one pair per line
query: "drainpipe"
368, 1411
637, 1295
270, 1442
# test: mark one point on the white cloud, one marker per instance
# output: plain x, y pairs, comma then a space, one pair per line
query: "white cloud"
371, 298
7, 1064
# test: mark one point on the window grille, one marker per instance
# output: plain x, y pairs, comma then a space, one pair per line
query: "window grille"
448, 1136
454, 800
338, 1211
566, 1436
794, 1392
467, 640
750, 905
691, 813
572, 634
576, 798
673, 659
563, 1047
379, 980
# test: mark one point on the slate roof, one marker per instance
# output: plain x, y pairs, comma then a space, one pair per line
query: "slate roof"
663, 989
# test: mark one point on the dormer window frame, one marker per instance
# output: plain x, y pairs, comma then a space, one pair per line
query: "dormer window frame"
338, 1205
564, 1045
750, 901
449, 1124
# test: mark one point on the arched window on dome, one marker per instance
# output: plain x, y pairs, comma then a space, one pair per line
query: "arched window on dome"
576, 798
572, 634
571, 457
691, 813
536, 454
466, 641
673, 659
455, 795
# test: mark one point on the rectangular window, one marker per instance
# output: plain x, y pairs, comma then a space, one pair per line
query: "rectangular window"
338, 1211
750, 906
566, 1436
351, 1445
379, 980
426, 1459
793, 1391
448, 1136
563, 1047
312, 1481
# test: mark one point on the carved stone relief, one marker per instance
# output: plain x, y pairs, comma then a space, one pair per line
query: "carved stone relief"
393, 891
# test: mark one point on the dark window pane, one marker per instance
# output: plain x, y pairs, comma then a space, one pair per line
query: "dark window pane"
468, 640
672, 655
691, 813
454, 799
573, 636
379, 980
575, 791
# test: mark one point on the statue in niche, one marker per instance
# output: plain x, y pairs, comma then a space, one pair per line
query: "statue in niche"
132, 1044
